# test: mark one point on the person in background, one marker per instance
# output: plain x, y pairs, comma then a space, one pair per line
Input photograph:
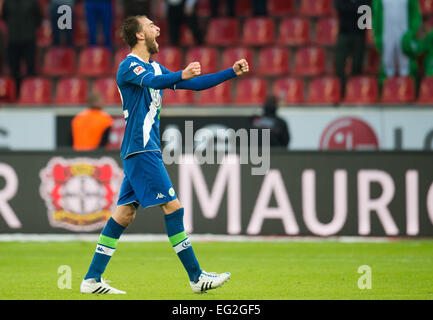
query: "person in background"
230, 7
392, 20
91, 127
279, 135
23, 18
57, 33
259, 8
99, 11
351, 42
178, 12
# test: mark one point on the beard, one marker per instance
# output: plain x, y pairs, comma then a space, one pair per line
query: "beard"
151, 45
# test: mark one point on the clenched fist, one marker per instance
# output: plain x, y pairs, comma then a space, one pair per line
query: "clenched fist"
241, 67
191, 71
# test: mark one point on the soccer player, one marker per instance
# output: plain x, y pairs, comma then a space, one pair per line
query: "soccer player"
146, 183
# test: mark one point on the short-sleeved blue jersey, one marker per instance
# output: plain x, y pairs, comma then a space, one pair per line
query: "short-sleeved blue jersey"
141, 105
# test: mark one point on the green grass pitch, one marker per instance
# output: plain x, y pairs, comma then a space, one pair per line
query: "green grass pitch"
260, 270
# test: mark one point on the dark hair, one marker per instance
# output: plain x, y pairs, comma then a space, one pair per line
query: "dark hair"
130, 27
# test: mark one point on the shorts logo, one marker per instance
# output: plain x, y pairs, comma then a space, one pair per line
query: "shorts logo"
139, 70
160, 196
171, 192
80, 193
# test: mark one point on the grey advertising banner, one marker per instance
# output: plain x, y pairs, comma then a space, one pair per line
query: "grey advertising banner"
303, 193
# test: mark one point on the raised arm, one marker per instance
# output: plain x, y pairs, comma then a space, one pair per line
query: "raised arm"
211, 80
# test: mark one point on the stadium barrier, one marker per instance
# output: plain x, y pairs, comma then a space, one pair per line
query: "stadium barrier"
302, 194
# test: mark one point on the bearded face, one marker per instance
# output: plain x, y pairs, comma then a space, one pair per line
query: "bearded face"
151, 44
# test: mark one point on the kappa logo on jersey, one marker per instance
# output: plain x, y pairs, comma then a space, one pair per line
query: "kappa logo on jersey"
80, 193
139, 70
133, 64
160, 196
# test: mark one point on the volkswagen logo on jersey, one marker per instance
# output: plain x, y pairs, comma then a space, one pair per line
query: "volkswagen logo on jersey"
80, 193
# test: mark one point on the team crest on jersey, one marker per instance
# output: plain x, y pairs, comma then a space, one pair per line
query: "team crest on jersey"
80, 193
139, 70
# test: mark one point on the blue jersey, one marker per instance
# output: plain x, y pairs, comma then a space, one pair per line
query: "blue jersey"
141, 105
140, 86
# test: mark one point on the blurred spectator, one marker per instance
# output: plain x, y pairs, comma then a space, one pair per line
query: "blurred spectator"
99, 11
91, 127
136, 8
351, 41
260, 8
178, 12
23, 18
392, 19
280, 136
230, 6
66, 34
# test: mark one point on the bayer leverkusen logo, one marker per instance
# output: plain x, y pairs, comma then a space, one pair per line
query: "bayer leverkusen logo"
349, 133
80, 193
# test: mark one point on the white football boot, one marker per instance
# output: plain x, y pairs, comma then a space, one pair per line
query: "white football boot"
208, 281
91, 286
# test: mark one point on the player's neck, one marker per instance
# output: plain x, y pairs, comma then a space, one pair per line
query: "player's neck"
142, 52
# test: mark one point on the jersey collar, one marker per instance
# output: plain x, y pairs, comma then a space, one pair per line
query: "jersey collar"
135, 56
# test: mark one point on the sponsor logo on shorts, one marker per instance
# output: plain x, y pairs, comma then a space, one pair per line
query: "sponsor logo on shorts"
160, 196
171, 192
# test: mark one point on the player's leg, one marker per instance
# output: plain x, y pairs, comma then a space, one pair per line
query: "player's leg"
200, 280
119, 221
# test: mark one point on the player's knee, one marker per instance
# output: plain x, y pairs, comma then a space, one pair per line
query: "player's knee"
171, 206
124, 214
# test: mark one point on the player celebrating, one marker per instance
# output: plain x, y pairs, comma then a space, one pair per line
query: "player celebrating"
140, 82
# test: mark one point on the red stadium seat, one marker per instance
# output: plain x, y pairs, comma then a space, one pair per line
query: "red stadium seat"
251, 91
59, 61
44, 34
426, 7
219, 95
205, 55
327, 31
315, 8
107, 87
274, 61
281, 8
324, 90
362, 90
310, 61
71, 91
372, 65
119, 55
178, 97
170, 57
186, 36
294, 31
7, 90
290, 90
203, 8
258, 31
94, 61
231, 55
243, 8
80, 33
222, 32
425, 93
35, 90
398, 90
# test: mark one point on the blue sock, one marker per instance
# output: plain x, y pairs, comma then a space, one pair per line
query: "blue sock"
181, 244
104, 249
